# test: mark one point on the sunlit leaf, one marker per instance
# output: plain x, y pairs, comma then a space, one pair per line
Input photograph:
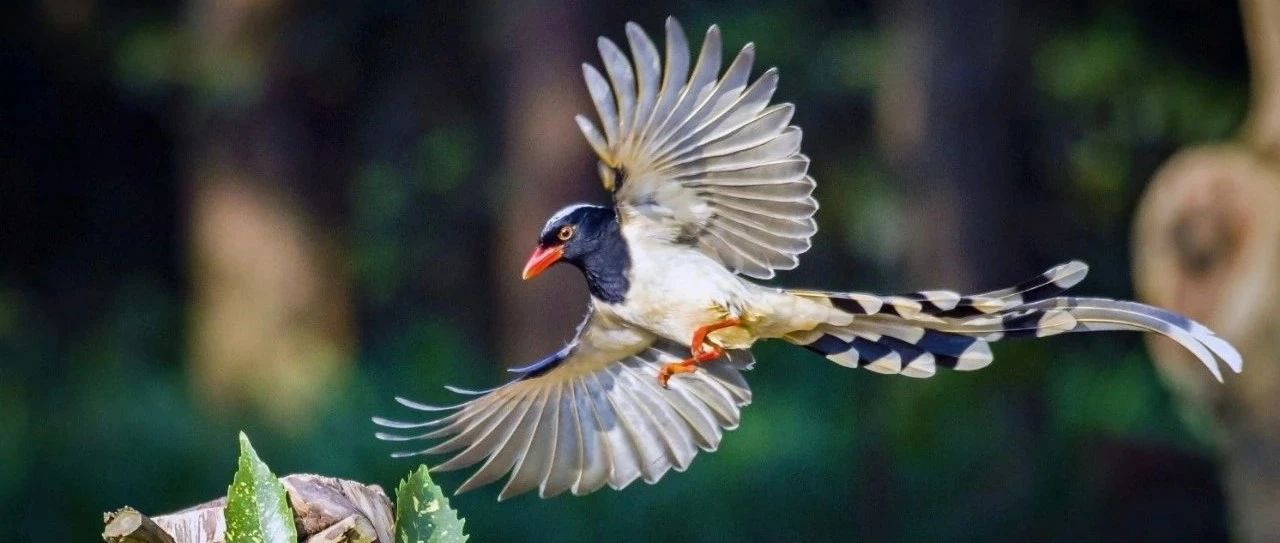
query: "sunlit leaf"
423, 514
257, 510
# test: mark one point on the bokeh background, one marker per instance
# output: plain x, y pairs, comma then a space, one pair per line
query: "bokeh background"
275, 216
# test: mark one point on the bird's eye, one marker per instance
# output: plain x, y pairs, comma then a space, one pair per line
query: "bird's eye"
565, 232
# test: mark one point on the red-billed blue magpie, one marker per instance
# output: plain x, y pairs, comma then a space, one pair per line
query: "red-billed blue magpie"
710, 190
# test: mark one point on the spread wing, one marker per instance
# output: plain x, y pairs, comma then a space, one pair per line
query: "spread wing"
589, 415
701, 157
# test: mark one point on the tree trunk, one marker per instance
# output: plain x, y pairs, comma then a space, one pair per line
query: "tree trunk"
547, 165
943, 118
269, 325
1207, 244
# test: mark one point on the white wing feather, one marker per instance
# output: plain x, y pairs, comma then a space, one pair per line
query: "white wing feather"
704, 159
589, 416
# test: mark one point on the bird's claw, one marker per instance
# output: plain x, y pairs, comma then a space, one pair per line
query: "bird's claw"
701, 350
700, 354
683, 366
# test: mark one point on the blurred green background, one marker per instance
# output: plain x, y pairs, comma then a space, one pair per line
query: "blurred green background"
408, 151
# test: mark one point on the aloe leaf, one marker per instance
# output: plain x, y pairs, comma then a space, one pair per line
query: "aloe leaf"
423, 514
257, 509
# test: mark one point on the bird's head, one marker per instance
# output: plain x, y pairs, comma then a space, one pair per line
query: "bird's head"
571, 235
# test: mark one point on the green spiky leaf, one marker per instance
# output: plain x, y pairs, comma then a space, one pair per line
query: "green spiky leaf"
257, 509
423, 514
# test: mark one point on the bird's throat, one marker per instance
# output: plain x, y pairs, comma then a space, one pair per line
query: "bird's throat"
606, 267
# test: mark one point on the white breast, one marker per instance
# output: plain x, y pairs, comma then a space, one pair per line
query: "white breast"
675, 289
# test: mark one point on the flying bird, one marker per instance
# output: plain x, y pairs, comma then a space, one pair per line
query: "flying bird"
710, 190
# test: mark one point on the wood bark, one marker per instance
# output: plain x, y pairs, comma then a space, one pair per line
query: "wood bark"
129, 526
1207, 244
325, 509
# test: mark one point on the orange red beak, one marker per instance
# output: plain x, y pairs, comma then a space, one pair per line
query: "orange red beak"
542, 258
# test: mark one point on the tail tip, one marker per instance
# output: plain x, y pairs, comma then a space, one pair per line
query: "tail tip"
1068, 275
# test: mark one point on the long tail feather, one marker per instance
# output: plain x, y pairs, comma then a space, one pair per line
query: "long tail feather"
915, 333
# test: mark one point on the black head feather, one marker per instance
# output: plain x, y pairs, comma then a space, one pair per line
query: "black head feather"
591, 239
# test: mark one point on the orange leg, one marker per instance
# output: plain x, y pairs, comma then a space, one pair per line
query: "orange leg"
702, 351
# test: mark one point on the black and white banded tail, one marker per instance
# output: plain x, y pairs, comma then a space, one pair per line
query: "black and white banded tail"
914, 334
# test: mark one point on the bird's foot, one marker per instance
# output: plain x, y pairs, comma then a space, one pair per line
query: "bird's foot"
701, 350
687, 365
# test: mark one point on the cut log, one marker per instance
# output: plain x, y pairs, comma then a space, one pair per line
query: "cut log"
353, 529
129, 526
325, 509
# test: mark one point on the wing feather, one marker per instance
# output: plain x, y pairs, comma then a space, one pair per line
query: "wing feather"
729, 248
647, 438
624, 83
476, 440
776, 192
719, 403
618, 450
764, 238
597, 140
528, 470
648, 77
676, 141
779, 149
679, 450
698, 87
765, 126
718, 98
674, 76
747, 107
606, 107
596, 465
587, 416
502, 457
566, 454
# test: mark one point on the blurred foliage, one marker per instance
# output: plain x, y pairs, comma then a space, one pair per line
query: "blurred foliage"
1131, 94
1059, 440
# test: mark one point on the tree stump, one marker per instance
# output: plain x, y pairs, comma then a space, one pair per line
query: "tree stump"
325, 510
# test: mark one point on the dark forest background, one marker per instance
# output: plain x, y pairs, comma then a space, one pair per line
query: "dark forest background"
275, 216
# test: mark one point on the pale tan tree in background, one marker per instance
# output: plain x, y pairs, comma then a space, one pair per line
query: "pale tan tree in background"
1207, 244
270, 326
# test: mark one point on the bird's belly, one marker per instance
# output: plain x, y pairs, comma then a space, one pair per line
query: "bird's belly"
678, 296
678, 321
